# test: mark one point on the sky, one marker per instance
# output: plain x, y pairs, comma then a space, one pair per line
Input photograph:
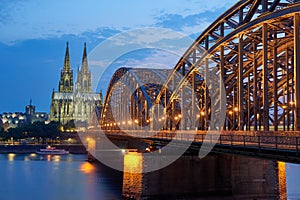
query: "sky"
34, 35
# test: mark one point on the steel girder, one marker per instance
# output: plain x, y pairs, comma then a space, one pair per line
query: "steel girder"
251, 48
130, 95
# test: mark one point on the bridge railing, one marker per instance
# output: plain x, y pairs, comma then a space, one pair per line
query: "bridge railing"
289, 141
271, 140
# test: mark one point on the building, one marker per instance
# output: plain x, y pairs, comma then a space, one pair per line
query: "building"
32, 116
74, 102
17, 119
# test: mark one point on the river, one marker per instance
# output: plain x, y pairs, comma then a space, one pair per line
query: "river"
32, 176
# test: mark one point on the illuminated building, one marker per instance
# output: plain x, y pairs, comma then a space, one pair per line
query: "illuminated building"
17, 119
74, 103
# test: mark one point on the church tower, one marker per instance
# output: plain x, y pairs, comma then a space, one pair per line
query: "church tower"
71, 104
84, 78
66, 75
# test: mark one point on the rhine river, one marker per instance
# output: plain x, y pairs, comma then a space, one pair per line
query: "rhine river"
31, 176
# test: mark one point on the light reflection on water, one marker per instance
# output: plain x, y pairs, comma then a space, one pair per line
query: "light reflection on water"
87, 168
64, 177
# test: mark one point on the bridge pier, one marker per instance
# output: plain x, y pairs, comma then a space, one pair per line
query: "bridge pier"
297, 70
215, 176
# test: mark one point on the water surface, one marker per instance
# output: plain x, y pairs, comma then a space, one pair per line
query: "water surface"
56, 177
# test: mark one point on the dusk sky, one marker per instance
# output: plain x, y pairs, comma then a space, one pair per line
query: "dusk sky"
34, 34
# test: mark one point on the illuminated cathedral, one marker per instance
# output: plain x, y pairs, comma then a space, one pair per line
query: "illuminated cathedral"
74, 102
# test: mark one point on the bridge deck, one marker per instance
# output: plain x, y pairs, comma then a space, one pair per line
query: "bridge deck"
283, 146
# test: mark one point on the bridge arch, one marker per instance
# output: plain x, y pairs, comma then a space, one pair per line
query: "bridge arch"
129, 97
251, 48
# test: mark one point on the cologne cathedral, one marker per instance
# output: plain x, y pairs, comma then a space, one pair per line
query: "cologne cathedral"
74, 102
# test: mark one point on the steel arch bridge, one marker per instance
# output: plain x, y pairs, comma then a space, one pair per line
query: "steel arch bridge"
252, 50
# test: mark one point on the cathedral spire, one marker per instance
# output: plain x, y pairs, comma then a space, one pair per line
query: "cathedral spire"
84, 77
66, 74
84, 60
67, 59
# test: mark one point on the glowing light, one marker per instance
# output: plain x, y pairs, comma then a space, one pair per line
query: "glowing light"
56, 158
123, 150
236, 109
230, 112
129, 122
87, 168
136, 121
202, 113
11, 156
198, 116
179, 116
176, 118
284, 106
123, 122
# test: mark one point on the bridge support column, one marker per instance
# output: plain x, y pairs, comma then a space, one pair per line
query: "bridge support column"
240, 86
206, 124
182, 115
275, 123
222, 92
255, 102
194, 107
297, 70
265, 77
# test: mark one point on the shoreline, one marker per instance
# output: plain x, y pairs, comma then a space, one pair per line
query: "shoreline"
33, 148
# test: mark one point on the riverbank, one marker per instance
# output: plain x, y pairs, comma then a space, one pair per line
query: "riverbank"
32, 148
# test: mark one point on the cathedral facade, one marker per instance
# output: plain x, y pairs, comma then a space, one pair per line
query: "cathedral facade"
74, 101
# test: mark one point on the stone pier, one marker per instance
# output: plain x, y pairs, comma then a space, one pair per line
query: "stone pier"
216, 176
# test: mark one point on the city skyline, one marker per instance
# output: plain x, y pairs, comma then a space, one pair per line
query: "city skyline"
33, 39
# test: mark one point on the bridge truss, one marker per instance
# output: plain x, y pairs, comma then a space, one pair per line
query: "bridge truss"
252, 50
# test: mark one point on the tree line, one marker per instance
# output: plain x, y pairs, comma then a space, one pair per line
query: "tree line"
36, 130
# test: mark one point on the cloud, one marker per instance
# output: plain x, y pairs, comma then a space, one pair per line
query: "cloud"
144, 58
39, 19
188, 24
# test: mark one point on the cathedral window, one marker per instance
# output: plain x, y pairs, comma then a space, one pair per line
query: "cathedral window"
85, 84
67, 83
